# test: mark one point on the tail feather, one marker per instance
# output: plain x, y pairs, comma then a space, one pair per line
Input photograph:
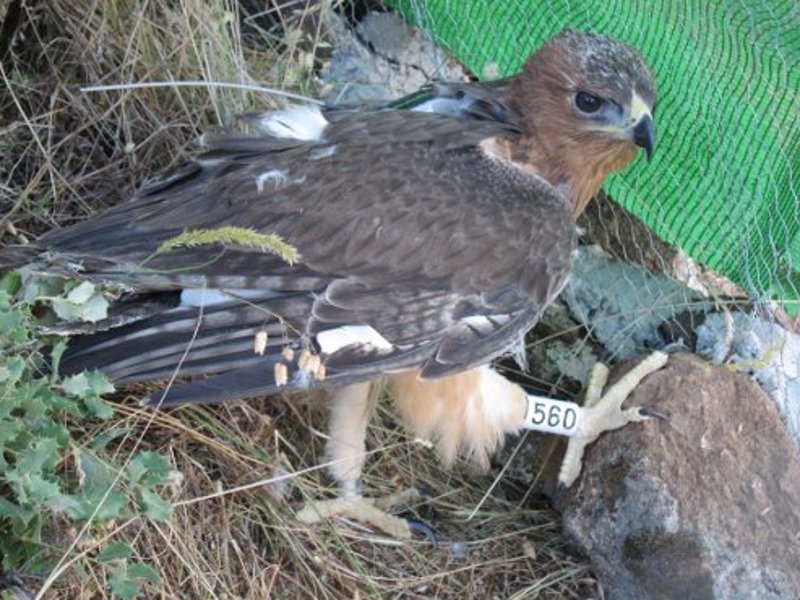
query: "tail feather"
222, 340
12, 257
247, 382
191, 360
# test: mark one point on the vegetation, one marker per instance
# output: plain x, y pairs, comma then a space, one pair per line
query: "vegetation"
52, 474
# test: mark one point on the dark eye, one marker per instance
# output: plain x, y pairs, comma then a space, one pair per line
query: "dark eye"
587, 102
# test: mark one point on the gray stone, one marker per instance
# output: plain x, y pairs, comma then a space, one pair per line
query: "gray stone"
384, 59
622, 304
762, 348
703, 506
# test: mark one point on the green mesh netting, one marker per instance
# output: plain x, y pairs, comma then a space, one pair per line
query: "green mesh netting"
725, 180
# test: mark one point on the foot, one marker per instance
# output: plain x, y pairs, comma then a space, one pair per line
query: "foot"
370, 511
604, 412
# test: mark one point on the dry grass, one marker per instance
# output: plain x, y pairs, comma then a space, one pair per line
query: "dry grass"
228, 539
247, 466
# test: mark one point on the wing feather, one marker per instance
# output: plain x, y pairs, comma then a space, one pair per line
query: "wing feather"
402, 224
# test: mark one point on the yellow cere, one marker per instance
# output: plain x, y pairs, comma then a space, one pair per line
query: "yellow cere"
639, 108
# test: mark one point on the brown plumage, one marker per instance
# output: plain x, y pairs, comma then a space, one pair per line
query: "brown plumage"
432, 235
552, 144
555, 142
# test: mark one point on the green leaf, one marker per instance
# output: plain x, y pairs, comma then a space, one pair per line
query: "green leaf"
93, 310
12, 370
154, 506
97, 489
9, 430
103, 439
10, 319
43, 455
42, 491
16, 513
126, 577
149, 468
34, 405
115, 550
89, 386
141, 570
77, 385
122, 585
48, 428
10, 283
82, 293
36, 288
99, 408
32, 488
27, 555
56, 353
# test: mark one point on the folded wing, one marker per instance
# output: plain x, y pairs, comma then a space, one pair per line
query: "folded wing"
417, 251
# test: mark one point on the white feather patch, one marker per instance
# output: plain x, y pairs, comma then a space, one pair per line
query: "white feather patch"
210, 297
299, 123
275, 176
445, 106
639, 108
332, 340
477, 321
486, 322
320, 153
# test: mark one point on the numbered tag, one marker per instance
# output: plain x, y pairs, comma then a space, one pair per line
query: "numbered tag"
553, 416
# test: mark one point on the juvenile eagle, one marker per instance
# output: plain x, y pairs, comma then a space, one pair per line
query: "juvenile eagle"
432, 234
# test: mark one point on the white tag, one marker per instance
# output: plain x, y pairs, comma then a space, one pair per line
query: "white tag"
553, 416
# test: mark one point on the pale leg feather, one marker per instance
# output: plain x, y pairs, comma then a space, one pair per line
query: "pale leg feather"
351, 408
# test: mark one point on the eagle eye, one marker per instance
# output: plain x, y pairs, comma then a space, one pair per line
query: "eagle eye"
588, 103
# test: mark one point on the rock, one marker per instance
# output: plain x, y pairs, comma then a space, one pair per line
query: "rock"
623, 304
703, 506
382, 60
559, 354
761, 348
628, 308
623, 235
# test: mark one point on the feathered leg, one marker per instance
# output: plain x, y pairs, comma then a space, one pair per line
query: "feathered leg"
351, 408
468, 414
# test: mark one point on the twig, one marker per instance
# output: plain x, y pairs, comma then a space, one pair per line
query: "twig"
215, 84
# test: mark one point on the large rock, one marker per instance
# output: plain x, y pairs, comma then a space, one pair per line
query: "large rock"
703, 506
762, 348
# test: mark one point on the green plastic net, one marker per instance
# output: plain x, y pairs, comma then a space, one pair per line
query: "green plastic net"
724, 184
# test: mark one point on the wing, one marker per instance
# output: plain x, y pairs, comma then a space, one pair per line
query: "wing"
416, 251
473, 102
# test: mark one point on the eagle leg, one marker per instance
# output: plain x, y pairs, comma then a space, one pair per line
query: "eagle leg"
370, 511
600, 412
604, 412
350, 411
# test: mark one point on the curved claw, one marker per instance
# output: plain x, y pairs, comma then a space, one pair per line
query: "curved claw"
675, 347
651, 412
423, 528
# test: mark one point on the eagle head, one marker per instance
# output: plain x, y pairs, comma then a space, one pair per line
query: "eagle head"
587, 102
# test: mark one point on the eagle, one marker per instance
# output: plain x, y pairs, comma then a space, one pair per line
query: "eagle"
430, 234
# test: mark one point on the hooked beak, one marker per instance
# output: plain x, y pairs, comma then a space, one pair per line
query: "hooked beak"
643, 135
